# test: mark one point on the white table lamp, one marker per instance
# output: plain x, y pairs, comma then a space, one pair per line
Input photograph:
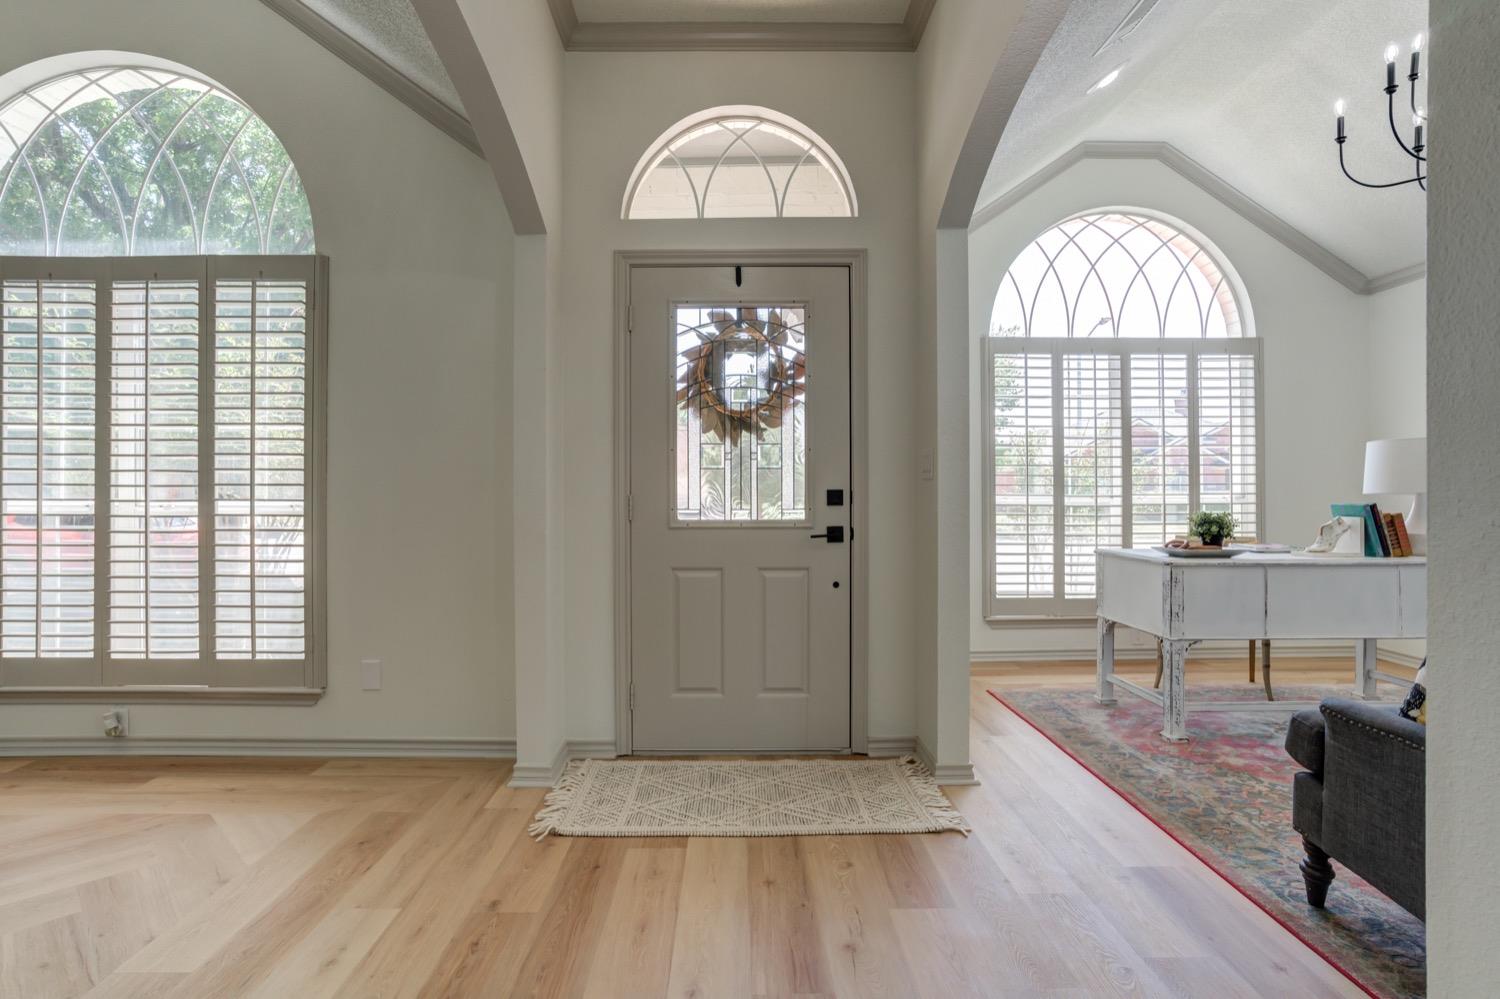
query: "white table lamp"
1399, 467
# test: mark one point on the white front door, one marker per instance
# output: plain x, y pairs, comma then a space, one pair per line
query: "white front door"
739, 472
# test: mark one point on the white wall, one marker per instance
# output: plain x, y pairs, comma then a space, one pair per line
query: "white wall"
1463, 372
1315, 345
1396, 403
617, 104
419, 457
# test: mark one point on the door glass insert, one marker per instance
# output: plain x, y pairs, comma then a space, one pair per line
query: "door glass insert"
741, 413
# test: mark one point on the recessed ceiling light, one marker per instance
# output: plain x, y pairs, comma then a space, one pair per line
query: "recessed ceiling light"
1107, 79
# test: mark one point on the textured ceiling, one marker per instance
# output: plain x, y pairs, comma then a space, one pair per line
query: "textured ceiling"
854, 11
391, 30
1247, 90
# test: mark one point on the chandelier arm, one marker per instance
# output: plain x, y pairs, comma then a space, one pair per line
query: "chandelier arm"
1396, 183
1391, 112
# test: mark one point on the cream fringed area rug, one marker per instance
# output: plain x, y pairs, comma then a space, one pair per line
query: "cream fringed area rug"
639, 797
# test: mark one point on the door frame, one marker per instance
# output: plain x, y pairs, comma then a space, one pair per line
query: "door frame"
626, 261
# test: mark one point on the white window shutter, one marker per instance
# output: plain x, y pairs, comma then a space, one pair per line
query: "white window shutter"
48, 369
154, 528
1160, 447
1092, 478
1023, 475
1228, 439
260, 407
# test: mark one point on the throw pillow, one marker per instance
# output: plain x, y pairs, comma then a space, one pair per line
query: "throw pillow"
1415, 705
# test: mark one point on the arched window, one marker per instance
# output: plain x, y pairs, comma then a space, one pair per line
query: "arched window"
739, 162
133, 161
160, 522
1122, 391
1115, 275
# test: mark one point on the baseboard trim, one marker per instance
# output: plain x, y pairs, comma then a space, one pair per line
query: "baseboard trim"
525, 775
891, 745
946, 774
500, 749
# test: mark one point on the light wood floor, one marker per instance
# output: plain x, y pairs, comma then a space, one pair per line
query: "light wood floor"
295, 879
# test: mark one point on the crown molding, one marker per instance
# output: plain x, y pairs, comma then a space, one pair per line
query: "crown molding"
1200, 176
1396, 278
734, 36
738, 36
566, 19
918, 12
378, 71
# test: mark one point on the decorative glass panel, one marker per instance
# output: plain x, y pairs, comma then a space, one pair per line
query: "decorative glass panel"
260, 469
122, 161
1111, 276
739, 163
48, 371
741, 440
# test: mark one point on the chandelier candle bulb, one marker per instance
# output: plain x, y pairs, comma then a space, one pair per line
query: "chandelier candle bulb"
1416, 120
1390, 67
1338, 109
1416, 57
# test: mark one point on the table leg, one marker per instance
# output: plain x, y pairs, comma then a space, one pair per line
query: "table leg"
1174, 693
1104, 693
1364, 669
1265, 667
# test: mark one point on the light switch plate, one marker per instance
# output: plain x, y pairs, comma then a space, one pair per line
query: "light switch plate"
369, 674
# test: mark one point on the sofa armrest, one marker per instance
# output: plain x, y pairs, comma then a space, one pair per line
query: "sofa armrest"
1375, 787
1304, 740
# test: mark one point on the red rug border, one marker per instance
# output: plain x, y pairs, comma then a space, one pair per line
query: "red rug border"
1366, 989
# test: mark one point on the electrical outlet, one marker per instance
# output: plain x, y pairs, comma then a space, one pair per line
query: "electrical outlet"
117, 722
369, 674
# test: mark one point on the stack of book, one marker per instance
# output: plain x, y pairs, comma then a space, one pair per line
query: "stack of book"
1385, 533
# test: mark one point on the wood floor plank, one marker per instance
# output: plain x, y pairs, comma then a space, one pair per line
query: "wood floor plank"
786, 948
633, 956
319, 963
711, 946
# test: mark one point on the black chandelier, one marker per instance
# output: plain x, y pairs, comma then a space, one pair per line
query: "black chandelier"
1418, 119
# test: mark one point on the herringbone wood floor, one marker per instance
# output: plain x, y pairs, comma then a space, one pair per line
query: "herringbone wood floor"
150, 877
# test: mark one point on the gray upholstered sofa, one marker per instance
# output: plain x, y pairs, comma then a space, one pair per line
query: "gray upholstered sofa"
1360, 800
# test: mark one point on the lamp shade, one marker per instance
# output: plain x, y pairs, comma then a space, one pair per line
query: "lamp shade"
1396, 466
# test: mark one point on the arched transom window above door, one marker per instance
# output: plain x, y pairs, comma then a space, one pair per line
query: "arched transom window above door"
739, 162
1115, 275
125, 161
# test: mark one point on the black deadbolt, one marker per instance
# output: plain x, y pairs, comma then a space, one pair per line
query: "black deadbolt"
835, 497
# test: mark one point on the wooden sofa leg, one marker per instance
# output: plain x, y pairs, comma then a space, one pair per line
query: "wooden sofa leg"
1317, 873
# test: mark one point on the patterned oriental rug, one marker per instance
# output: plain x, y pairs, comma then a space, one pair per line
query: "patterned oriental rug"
644, 797
1226, 795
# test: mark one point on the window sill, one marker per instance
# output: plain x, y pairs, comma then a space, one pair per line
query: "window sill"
1038, 621
160, 695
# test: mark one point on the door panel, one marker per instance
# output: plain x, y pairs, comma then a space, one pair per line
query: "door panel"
739, 427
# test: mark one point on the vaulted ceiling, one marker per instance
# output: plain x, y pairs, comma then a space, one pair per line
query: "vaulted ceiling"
1247, 91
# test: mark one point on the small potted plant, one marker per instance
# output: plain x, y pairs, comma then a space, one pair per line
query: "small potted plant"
1213, 529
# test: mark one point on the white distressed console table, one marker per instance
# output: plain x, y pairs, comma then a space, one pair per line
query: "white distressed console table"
1251, 596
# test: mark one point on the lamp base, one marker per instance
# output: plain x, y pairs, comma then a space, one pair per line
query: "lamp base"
1416, 524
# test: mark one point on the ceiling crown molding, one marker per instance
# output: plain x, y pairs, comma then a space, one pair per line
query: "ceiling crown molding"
738, 36
1200, 176
378, 71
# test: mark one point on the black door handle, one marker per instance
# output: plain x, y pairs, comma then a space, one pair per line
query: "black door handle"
834, 534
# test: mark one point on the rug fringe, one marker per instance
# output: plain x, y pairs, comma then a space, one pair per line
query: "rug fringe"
932, 797
558, 800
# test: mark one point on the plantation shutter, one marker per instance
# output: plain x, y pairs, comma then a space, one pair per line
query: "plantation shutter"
1110, 443
161, 443
48, 448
